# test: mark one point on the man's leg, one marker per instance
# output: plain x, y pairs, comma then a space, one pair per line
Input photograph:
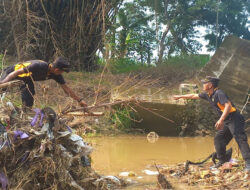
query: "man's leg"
236, 127
27, 92
221, 140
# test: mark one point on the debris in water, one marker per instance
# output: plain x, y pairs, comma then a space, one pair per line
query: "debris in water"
149, 172
152, 137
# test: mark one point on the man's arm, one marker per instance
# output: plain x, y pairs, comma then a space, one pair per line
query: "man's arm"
12, 75
69, 92
187, 96
220, 123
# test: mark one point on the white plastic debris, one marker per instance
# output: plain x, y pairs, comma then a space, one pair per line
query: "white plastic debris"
124, 174
11, 106
149, 172
64, 133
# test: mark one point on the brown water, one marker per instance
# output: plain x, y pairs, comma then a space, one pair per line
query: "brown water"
113, 155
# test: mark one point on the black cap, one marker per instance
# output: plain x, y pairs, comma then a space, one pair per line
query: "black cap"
214, 80
62, 64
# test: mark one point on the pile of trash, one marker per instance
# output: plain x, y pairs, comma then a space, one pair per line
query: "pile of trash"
38, 151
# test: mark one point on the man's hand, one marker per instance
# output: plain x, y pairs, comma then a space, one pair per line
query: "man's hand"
176, 97
83, 103
219, 124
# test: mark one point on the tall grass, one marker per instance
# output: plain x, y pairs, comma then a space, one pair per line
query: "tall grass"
125, 65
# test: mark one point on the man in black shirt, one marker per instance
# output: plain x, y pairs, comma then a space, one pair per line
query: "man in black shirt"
37, 70
230, 124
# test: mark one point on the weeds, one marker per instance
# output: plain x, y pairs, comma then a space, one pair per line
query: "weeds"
122, 117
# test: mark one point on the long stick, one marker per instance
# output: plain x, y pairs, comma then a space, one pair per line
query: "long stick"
155, 113
100, 105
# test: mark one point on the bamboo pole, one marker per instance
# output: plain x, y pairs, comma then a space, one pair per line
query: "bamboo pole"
100, 105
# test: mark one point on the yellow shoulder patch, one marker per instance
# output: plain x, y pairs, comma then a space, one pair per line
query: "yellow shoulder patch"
21, 66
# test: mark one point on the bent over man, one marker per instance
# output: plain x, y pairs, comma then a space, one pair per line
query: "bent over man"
37, 70
230, 124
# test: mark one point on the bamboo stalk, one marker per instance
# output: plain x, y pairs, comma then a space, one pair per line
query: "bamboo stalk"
100, 105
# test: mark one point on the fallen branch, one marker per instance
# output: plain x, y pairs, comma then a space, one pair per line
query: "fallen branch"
85, 113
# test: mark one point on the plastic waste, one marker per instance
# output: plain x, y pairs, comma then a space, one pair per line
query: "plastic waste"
124, 174
149, 172
80, 144
127, 174
64, 133
35, 118
11, 106
20, 134
112, 179
152, 137
85, 160
69, 128
4, 181
47, 129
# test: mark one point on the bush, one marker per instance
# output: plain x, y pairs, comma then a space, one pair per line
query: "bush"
122, 118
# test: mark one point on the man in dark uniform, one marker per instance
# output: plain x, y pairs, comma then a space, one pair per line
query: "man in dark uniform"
37, 70
230, 124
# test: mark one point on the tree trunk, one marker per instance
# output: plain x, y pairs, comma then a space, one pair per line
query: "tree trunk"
162, 44
148, 56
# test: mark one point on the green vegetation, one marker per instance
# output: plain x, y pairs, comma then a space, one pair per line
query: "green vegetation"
1, 59
125, 65
129, 32
192, 61
122, 117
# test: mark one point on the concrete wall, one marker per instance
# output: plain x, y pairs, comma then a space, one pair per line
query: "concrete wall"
231, 63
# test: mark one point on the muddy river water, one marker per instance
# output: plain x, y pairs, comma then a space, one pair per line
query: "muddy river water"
135, 154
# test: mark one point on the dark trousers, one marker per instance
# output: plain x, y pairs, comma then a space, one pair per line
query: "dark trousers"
27, 94
233, 127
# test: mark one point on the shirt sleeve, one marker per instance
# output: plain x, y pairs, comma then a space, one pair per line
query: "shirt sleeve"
204, 96
222, 97
59, 79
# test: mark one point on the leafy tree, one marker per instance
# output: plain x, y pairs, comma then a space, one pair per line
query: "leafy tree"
131, 33
178, 18
233, 19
